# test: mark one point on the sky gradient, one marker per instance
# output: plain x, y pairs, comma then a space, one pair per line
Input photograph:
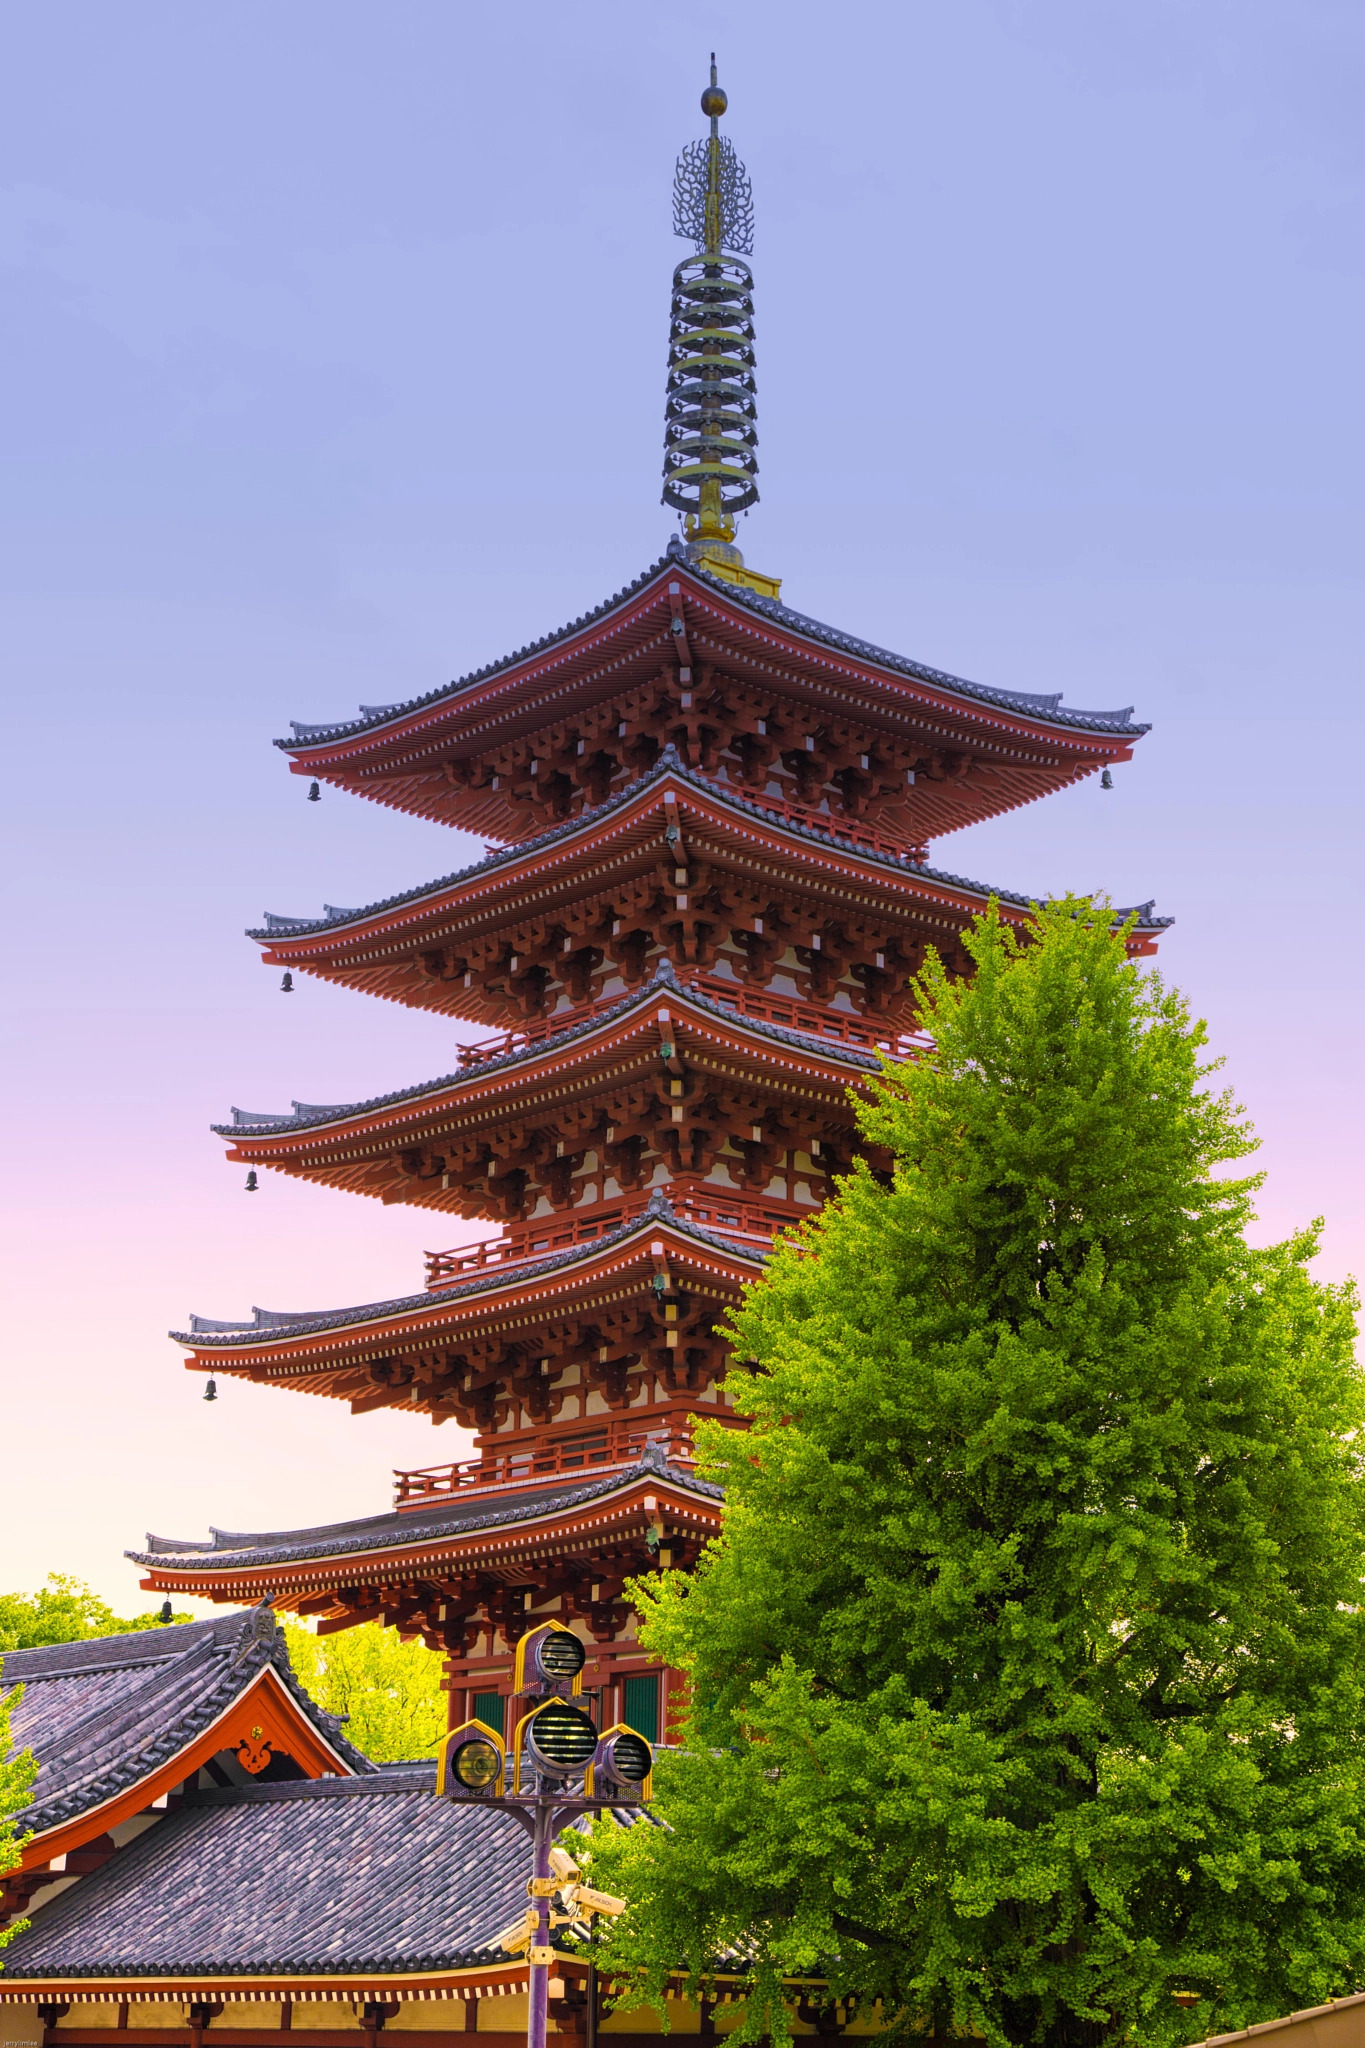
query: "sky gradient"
334, 353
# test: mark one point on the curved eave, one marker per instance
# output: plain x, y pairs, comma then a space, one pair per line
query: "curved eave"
462, 1975
379, 1550
62, 1825
326, 1344
578, 1060
575, 859
616, 647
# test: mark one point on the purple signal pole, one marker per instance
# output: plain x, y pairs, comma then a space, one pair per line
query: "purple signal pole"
543, 1813
561, 1743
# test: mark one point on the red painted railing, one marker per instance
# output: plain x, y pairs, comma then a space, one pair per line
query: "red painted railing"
530, 1033
593, 1448
696, 1202
798, 1015
527, 1241
834, 823
815, 1018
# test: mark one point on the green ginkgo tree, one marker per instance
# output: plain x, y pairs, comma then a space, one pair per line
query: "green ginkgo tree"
1024, 1682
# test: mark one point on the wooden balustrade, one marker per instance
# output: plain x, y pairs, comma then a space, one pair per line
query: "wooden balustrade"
527, 1241
593, 1448
699, 1202
818, 1019
836, 826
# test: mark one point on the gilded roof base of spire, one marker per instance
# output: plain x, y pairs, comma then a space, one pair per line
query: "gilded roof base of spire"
709, 542
723, 558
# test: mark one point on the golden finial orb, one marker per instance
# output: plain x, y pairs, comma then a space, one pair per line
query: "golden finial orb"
713, 102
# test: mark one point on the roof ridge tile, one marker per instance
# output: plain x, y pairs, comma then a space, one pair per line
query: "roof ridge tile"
536, 1049
520, 1271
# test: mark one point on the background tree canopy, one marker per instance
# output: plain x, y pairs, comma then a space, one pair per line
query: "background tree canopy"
391, 1690
1025, 1678
64, 1610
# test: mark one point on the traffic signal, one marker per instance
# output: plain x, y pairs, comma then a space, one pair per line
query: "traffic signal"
561, 1740
472, 1760
623, 1763
550, 1659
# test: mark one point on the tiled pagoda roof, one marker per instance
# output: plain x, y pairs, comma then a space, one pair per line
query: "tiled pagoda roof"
668, 766
1044, 707
314, 1115
401, 1530
267, 1326
339, 1876
103, 1715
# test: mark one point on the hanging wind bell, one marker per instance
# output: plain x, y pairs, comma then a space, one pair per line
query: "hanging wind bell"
210, 1394
314, 793
1106, 780
287, 985
251, 1182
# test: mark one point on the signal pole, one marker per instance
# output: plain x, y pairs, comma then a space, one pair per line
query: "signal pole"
573, 1769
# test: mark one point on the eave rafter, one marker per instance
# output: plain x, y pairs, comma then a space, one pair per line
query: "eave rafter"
556, 730
644, 1309
677, 871
668, 1083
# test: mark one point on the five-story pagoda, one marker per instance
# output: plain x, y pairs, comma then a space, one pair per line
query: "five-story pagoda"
696, 930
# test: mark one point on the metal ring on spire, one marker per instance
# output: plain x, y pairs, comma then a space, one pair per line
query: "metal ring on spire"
711, 412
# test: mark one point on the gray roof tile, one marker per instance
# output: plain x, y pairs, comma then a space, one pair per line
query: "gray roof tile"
101, 1715
668, 763
312, 1115
344, 1874
1045, 707
456, 1516
267, 1325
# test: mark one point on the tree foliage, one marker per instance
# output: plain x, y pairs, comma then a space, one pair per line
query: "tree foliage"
1025, 1679
64, 1610
389, 1689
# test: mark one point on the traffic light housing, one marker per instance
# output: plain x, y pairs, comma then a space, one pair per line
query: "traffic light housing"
560, 1740
472, 1761
550, 1659
624, 1763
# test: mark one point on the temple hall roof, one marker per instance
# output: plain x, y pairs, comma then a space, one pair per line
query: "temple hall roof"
400, 1530
1046, 707
323, 1878
102, 1715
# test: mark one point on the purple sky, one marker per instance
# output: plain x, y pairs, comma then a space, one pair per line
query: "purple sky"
333, 356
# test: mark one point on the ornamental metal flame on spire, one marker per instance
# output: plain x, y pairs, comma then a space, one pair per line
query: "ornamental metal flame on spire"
710, 414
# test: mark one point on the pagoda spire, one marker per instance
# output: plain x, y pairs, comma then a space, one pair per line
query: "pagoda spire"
711, 411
